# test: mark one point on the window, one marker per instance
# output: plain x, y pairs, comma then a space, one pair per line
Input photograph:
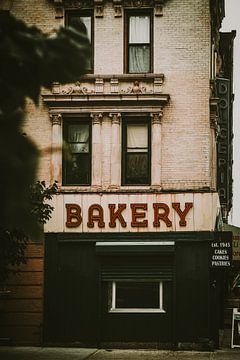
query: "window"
138, 43
136, 296
87, 19
76, 153
136, 152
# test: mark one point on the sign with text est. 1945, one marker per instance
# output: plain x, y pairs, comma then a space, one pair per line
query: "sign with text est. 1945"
221, 253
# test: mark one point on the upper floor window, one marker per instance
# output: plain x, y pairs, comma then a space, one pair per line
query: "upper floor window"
136, 152
87, 19
77, 153
138, 42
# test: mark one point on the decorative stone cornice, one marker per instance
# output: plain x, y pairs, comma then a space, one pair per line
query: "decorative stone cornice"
96, 118
56, 119
113, 84
118, 5
157, 117
116, 118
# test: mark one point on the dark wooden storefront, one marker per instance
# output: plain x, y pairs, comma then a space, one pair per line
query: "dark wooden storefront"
78, 277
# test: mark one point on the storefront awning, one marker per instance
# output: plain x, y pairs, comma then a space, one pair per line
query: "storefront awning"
110, 247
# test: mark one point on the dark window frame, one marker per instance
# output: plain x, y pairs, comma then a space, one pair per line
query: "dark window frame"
84, 13
76, 121
131, 120
128, 14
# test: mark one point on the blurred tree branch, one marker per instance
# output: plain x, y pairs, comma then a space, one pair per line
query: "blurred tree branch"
29, 60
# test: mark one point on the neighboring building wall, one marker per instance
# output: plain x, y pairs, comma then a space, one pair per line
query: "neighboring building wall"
21, 301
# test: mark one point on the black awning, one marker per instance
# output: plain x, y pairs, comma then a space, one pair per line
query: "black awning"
134, 247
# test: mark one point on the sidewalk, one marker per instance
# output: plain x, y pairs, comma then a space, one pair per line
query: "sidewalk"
38, 353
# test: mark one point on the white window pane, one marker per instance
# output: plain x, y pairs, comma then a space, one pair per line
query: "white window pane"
137, 136
139, 29
139, 59
87, 22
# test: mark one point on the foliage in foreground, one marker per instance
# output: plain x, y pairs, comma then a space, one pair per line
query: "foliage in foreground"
13, 243
29, 60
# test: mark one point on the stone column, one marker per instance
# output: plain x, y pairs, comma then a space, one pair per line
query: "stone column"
56, 165
96, 150
106, 152
116, 151
156, 149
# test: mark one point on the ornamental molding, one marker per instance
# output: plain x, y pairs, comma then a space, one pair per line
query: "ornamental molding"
157, 117
118, 6
107, 84
56, 119
96, 118
115, 117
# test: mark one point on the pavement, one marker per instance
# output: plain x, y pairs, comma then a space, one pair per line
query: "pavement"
40, 353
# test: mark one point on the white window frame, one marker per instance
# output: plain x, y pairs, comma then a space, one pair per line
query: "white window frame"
113, 308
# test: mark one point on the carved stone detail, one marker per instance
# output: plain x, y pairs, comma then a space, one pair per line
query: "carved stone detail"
157, 85
99, 85
96, 118
158, 7
157, 4
56, 119
59, 13
118, 10
74, 89
114, 86
56, 88
99, 8
157, 117
78, 4
135, 89
118, 5
111, 85
116, 118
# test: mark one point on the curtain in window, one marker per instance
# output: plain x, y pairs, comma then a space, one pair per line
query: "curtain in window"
139, 44
139, 59
137, 137
78, 138
137, 168
139, 30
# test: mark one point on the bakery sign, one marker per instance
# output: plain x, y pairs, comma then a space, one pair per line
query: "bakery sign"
133, 212
221, 250
138, 217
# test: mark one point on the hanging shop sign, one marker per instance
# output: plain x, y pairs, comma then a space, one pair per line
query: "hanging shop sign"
133, 212
221, 253
224, 143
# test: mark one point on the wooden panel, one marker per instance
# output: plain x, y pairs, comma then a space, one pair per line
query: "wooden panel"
24, 292
28, 319
35, 250
32, 265
26, 278
22, 334
20, 305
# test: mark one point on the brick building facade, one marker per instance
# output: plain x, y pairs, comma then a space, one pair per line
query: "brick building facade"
138, 204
